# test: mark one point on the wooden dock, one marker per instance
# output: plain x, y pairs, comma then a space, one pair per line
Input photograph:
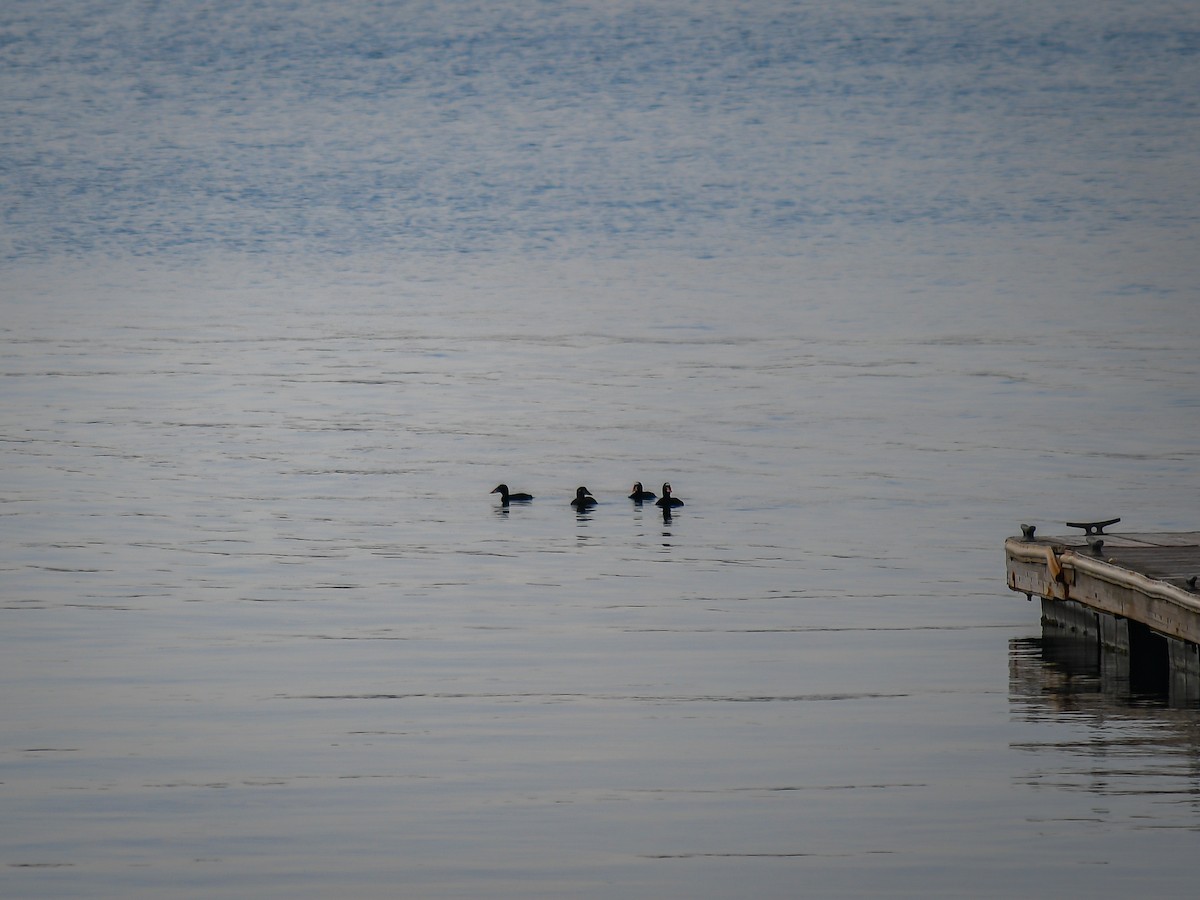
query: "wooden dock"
1137, 593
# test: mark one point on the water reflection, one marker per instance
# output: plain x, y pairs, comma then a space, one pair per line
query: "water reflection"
1068, 671
1096, 727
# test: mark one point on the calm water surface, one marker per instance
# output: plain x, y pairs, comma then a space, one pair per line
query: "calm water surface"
287, 293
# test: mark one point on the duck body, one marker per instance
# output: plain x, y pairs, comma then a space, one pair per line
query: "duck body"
506, 497
639, 495
583, 499
667, 501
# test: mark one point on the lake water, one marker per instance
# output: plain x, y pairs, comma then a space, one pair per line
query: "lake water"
289, 287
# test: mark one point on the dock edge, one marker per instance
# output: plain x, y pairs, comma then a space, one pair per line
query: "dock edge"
1054, 572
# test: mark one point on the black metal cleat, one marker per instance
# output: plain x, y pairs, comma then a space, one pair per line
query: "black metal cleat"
1027, 532
1093, 527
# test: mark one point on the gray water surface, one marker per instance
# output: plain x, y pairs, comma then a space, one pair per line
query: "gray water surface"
289, 290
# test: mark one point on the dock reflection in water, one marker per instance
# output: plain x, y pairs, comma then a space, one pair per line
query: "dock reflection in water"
1069, 669
1126, 736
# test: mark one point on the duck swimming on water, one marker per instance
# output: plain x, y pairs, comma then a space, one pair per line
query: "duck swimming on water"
639, 495
667, 501
583, 499
505, 496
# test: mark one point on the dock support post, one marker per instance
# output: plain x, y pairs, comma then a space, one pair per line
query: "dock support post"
1068, 615
1114, 632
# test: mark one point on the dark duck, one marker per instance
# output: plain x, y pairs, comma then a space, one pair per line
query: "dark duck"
667, 501
506, 497
583, 499
639, 495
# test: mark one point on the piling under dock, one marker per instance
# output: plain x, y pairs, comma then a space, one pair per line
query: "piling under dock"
1128, 590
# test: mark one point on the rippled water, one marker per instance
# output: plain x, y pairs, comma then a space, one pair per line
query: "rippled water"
289, 291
